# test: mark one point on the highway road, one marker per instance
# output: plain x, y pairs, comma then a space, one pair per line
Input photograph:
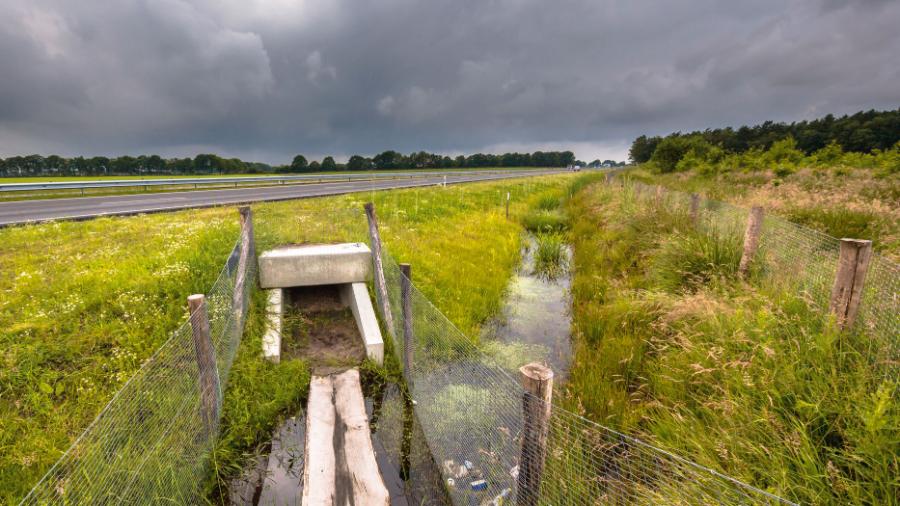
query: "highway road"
28, 211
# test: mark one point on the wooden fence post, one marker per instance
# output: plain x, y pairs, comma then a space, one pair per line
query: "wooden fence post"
537, 381
695, 208
751, 239
406, 298
846, 294
239, 303
507, 205
608, 177
380, 283
206, 363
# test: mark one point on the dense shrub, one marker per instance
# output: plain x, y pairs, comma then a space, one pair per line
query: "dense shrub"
672, 149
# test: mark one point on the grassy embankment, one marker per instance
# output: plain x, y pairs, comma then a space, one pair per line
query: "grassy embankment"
736, 375
842, 194
85, 303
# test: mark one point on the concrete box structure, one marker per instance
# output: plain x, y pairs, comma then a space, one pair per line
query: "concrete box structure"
356, 297
274, 314
314, 264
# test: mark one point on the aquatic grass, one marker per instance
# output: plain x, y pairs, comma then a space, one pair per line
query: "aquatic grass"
544, 221
550, 257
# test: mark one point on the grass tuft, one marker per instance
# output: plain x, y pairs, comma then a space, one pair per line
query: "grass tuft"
550, 254
697, 258
544, 221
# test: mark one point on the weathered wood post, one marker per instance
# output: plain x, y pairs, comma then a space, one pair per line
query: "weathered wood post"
239, 302
846, 294
380, 283
537, 381
408, 337
695, 208
507, 205
751, 239
206, 362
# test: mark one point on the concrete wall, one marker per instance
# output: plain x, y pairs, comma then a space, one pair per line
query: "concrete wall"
356, 296
312, 265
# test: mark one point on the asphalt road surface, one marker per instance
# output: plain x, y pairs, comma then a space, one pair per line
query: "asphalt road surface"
27, 211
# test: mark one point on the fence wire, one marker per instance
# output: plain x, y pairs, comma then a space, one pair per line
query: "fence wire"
803, 261
470, 409
150, 444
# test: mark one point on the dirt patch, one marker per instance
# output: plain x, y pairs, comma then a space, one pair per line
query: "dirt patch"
320, 329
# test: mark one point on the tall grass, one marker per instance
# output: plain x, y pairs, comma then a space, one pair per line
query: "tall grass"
697, 258
550, 255
744, 377
842, 201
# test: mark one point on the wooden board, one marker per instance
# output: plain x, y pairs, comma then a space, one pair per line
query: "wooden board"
340, 460
318, 473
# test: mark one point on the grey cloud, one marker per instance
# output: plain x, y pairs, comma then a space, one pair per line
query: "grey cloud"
265, 79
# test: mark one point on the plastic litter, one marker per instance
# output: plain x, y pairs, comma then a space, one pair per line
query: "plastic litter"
469, 464
451, 482
449, 467
479, 485
500, 498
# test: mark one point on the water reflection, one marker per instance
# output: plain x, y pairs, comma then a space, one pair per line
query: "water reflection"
535, 321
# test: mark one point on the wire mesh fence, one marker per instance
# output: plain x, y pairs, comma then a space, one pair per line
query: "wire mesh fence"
150, 443
804, 262
470, 408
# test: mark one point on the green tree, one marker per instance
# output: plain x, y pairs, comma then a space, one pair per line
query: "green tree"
642, 148
299, 164
388, 160
328, 164
357, 162
672, 149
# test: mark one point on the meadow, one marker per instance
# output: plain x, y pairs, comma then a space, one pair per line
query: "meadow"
746, 376
85, 304
849, 194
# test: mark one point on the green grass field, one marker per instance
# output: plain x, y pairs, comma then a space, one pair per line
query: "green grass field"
85, 303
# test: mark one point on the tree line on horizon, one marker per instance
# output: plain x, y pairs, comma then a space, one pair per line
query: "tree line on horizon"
53, 165
862, 132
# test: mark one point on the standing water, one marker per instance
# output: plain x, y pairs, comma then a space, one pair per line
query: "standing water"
536, 312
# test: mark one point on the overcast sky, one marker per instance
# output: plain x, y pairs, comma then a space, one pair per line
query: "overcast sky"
266, 79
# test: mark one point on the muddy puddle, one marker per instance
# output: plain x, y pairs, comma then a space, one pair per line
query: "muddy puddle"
319, 328
535, 323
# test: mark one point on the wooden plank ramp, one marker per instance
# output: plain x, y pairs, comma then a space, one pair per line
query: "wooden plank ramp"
340, 460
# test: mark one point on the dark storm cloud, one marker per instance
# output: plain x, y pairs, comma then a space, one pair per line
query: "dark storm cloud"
266, 79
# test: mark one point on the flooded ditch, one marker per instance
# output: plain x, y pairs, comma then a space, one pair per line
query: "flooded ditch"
473, 430
535, 320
